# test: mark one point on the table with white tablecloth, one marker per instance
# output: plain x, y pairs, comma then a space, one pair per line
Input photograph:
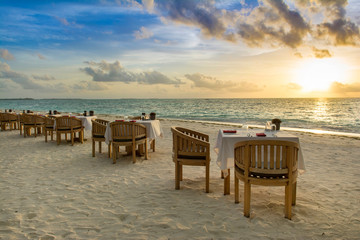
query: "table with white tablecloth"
226, 141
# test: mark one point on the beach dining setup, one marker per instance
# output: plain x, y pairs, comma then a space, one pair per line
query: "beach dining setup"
256, 156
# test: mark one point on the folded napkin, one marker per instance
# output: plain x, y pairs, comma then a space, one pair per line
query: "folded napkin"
119, 120
261, 135
132, 121
229, 131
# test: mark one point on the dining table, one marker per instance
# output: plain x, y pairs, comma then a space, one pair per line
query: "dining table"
153, 131
227, 138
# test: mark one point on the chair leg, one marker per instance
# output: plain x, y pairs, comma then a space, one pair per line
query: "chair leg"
46, 135
58, 138
146, 151
72, 138
294, 194
109, 150
236, 181
93, 147
134, 153
177, 175
99, 146
115, 149
180, 172
247, 197
288, 201
207, 184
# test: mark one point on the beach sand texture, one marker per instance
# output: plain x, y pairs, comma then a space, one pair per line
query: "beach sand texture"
61, 192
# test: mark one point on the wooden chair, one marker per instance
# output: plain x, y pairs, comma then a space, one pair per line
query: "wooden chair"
49, 127
190, 148
98, 134
9, 119
21, 122
35, 122
267, 163
71, 125
128, 134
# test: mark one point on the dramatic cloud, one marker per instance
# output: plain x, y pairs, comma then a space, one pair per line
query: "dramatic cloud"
114, 72
321, 53
6, 55
90, 85
345, 88
43, 77
272, 22
143, 33
202, 81
19, 78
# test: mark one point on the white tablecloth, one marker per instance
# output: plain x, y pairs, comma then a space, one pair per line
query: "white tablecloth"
153, 130
225, 145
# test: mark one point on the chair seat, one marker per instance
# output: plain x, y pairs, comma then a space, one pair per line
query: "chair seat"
191, 157
68, 129
128, 140
98, 136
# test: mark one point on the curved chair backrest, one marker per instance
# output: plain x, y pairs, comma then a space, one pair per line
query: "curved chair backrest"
68, 123
127, 131
187, 142
267, 160
49, 122
98, 127
30, 119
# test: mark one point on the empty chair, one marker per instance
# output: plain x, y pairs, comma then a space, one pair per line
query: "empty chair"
71, 125
190, 148
35, 122
8, 119
98, 134
49, 127
128, 134
268, 163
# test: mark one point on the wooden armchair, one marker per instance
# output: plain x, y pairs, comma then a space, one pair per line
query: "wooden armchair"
8, 119
71, 125
128, 134
267, 163
98, 134
190, 148
49, 127
35, 122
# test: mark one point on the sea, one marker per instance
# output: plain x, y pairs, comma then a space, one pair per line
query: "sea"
321, 115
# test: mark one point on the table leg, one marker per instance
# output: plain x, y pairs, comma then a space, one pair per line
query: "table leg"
227, 184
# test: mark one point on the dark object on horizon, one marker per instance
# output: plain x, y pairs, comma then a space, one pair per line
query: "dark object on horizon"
277, 122
50, 112
55, 112
152, 116
85, 112
10, 110
143, 116
28, 111
91, 113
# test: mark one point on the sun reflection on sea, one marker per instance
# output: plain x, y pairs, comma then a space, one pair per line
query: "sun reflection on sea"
321, 110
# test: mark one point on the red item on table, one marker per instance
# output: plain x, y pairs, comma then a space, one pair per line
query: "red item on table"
229, 131
261, 135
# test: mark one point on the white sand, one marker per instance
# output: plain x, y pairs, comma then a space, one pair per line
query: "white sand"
62, 192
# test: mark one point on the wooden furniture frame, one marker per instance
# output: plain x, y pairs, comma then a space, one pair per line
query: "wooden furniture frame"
190, 148
98, 134
31, 121
267, 163
8, 119
49, 128
128, 134
71, 125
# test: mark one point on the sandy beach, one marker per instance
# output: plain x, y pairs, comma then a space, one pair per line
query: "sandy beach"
62, 192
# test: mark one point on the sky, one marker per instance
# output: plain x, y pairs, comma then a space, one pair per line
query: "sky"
179, 49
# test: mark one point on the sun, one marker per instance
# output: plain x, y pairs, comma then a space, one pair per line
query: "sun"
319, 74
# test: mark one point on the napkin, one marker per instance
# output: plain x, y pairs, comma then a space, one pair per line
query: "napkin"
229, 131
261, 135
132, 121
119, 120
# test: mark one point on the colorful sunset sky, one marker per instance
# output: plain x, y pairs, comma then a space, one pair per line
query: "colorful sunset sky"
179, 49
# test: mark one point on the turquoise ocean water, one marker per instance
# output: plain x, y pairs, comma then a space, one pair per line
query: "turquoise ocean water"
328, 114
